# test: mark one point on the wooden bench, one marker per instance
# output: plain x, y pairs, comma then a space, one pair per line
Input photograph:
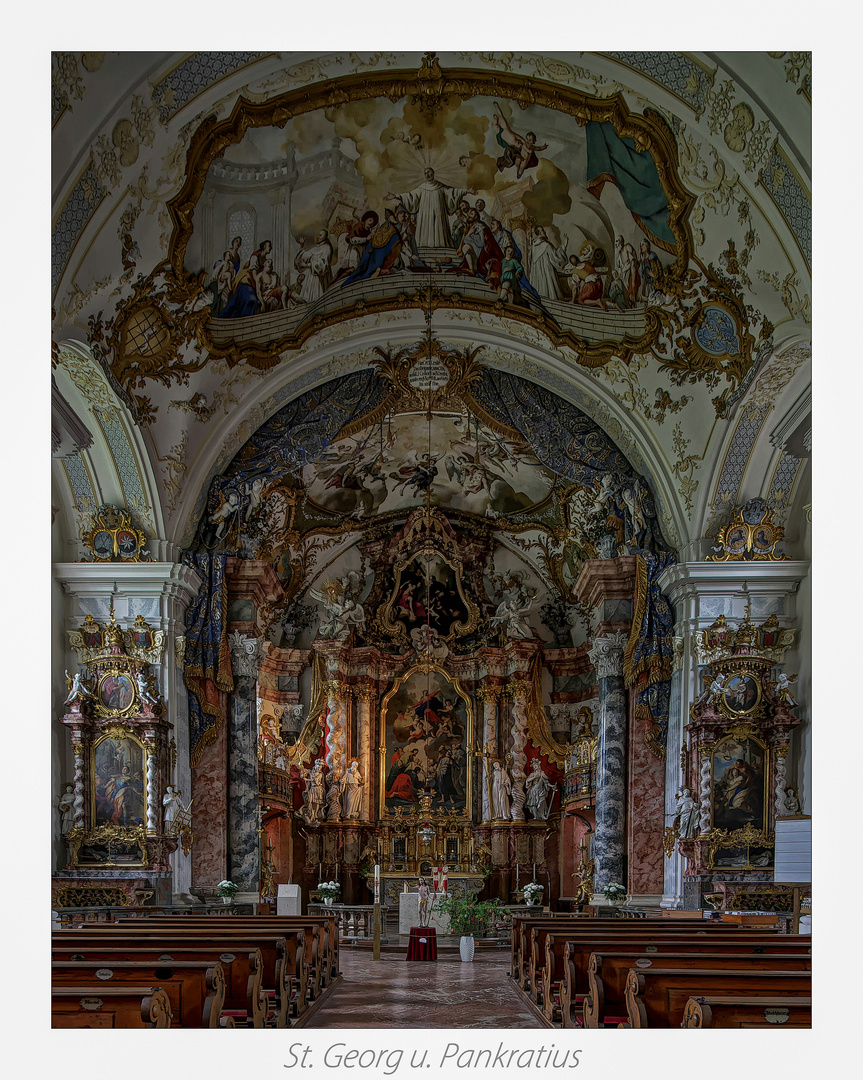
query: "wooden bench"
747, 1012
532, 976
321, 944
656, 998
244, 996
607, 974
195, 988
97, 1006
307, 958
574, 985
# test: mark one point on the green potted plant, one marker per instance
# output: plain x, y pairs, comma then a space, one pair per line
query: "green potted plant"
469, 916
227, 891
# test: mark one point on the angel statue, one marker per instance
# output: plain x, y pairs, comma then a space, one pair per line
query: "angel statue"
782, 689
511, 617
78, 689
715, 689
339, 600
143, 684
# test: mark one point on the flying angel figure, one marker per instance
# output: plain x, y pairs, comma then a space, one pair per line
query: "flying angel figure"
518, 150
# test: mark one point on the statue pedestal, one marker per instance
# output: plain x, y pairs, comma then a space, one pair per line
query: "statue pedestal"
409, 905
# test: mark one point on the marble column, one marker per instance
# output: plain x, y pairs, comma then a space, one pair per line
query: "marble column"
366, 696
519, 758
244, 856
673, 866
489, 696
78, 751
610, 840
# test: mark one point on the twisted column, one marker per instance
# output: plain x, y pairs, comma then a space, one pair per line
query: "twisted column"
779, 786
78, 780
704, 792
609, 843
153, 788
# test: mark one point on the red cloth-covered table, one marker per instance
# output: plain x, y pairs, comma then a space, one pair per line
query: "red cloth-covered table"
422, 944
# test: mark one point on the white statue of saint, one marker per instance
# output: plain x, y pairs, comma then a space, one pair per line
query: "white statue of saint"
352, 790
78, 689
433, 203
501, 791
66, 806
686, 818
313, 797
170, 806
540, 791
334, 802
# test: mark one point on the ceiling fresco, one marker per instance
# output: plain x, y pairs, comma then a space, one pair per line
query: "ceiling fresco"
629, 231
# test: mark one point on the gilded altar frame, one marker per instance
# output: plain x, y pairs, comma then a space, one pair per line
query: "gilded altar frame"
114, 732
459, 814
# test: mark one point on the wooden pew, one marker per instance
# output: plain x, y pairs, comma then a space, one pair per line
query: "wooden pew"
532, 977
574, 985
306, 960
97, 1006
235, 968
607, 974
244, 987
747, 1012
657, 997
195, 988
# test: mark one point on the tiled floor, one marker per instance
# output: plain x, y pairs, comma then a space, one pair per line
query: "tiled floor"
392, 993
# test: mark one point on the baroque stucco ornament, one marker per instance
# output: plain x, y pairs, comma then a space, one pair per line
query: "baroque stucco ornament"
606, 655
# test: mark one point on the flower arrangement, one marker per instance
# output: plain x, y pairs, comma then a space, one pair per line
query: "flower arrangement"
467, 915
228, 888
329, 889
614, 892
532, 891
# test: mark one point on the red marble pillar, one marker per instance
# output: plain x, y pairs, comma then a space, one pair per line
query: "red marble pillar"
646, 813
210, 813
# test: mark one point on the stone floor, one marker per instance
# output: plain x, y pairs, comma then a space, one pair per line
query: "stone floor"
392, 993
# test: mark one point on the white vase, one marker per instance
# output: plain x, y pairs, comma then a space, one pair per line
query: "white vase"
226, 899
466, 948
328, 900
532, 902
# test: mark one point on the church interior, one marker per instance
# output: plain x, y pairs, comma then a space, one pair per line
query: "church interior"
430, 540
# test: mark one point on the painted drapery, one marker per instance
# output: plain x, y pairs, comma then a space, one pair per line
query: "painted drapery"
207, 666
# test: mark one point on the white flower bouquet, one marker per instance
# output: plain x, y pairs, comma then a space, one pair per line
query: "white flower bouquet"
532, 891
614, 892
329, 889
228, 888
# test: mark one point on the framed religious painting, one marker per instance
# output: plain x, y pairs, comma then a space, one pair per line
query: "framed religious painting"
740, 776
426, 730
742, 694
118, 774
116, 693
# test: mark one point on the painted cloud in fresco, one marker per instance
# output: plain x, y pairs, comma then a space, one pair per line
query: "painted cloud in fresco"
393, 467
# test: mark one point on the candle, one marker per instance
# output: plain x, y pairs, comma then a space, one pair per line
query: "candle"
319, 872
534, 871
516, 875
377, 883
